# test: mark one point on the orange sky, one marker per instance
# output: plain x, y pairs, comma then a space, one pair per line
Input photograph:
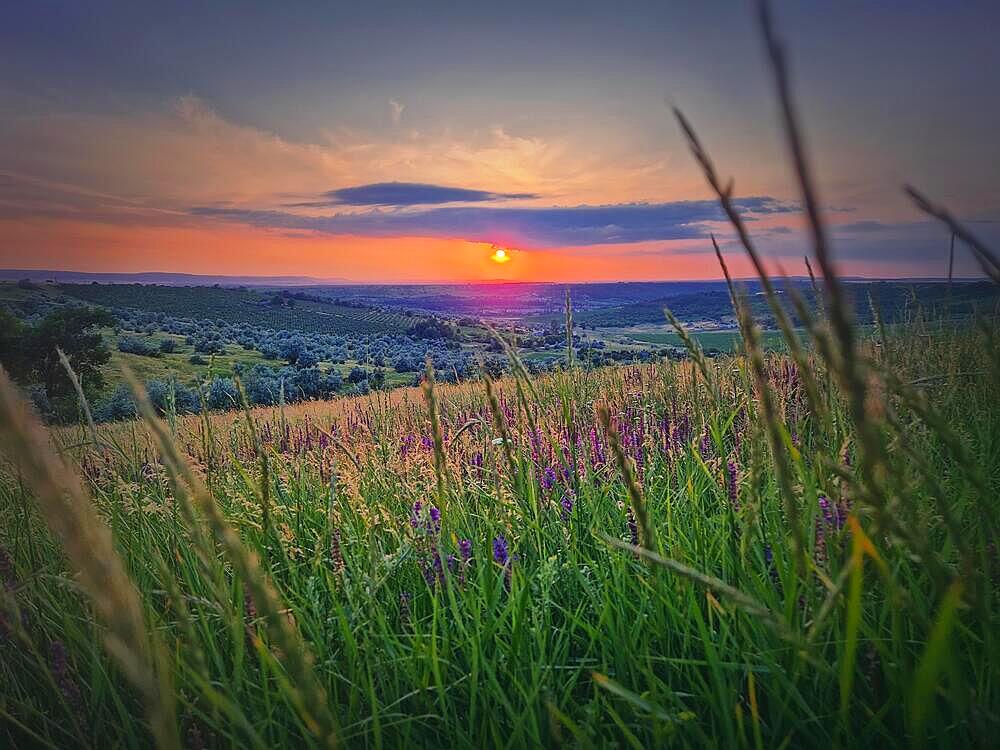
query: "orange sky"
237, 250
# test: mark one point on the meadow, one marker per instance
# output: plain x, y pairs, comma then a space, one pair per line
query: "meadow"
470, 566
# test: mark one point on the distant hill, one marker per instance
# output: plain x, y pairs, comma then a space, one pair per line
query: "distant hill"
893, 298
158, 277
255, 307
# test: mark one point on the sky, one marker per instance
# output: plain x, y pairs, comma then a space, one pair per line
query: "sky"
405, 142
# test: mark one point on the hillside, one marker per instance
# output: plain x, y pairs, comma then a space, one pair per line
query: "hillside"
242, 306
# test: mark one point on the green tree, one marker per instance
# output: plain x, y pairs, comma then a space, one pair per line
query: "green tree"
29, 353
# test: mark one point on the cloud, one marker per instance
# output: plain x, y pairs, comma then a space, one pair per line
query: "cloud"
529, 227
401, 194
396, 111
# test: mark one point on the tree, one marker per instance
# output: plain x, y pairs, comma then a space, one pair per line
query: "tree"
29, 353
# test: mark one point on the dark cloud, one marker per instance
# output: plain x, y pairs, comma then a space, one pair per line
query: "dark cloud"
400, 194
866, 226
539, 227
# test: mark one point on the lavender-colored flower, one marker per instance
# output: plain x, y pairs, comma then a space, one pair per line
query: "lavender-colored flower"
705, 446
500, 552
415, 514
567, 506
465, 549
548, 480
732, 489
831, 514
435, 520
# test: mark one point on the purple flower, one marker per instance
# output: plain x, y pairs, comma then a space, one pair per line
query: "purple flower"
548, 479
567, 506
500, 553
415, 514
431, 524
705, 447
831, 514
465, 549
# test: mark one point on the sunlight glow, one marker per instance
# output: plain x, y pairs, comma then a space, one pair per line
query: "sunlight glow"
500, 256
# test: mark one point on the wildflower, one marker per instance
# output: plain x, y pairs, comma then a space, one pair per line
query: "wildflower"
465, 549
336, 555
548, 480
567, 506
732, 478
500, 553
633, 528
705, 446
831, 513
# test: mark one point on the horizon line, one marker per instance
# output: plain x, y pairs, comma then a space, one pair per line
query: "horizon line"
9, 274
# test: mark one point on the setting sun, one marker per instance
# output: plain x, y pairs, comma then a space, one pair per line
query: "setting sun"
500, 256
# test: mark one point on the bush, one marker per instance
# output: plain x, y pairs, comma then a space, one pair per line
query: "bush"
134, 345
168, 346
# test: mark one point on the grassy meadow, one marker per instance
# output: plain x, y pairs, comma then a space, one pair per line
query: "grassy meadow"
464, 569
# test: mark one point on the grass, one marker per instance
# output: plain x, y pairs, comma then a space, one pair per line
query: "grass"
723, 341
766, 549
574, 639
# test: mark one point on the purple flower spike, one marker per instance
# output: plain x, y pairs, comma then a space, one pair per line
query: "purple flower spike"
732, 478
548, 480
465, 549
500, 552
567, 506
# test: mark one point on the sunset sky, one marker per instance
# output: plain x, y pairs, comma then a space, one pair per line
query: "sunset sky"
404, 141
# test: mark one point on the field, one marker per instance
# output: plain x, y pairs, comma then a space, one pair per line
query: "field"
723, 341
241, 306
527, 574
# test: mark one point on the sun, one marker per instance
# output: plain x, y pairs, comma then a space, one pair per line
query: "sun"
500, 256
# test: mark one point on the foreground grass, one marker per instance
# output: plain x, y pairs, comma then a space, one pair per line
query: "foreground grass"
551, 635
